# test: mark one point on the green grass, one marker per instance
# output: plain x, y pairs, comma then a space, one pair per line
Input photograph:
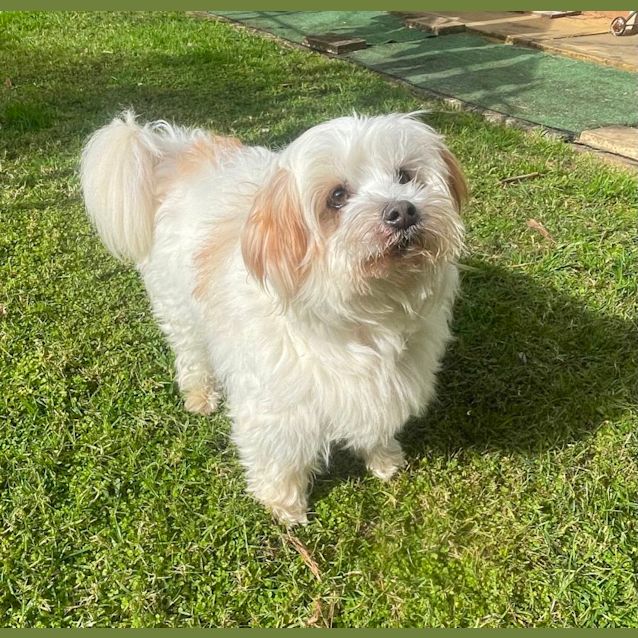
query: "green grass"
117, 508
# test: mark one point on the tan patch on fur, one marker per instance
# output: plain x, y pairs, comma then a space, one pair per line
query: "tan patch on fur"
210, 149
275, 242
201, 401
214, 251
456, 179
328, 221
206, 149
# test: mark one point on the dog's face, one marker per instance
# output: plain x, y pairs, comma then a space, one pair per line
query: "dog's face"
356, 201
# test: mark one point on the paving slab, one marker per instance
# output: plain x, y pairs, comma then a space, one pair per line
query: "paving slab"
613, 139
334, 43
556, 14
620, 52
438, 25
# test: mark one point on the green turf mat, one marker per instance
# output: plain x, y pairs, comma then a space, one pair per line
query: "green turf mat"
545, 89
376, 27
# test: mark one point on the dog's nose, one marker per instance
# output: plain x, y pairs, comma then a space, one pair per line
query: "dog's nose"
400, 215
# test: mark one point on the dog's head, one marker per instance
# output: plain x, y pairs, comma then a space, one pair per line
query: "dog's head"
354, 201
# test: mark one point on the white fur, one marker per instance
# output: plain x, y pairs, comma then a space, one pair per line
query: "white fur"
343, 346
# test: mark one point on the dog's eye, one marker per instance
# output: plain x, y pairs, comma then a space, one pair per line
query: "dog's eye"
404, 176
338, 197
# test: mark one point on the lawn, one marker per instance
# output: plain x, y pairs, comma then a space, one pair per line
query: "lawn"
518, 506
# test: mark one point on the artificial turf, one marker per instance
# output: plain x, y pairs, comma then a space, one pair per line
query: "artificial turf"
518, 506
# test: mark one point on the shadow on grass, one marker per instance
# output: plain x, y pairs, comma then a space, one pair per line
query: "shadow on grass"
208, 86
530, 370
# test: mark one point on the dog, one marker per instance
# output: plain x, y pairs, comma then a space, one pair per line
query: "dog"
312, 286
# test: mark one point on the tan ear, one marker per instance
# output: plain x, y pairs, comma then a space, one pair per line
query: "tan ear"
456, 179
275, 240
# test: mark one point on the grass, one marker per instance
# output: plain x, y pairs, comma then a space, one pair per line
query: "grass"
117, 508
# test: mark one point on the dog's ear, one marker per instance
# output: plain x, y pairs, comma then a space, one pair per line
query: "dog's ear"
275, 241
456, 182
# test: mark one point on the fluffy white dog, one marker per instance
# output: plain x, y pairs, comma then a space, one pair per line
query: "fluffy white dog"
313, 286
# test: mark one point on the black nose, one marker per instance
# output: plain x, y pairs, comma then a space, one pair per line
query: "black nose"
400, 215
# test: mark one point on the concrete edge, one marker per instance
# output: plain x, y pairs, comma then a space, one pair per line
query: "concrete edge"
619, 161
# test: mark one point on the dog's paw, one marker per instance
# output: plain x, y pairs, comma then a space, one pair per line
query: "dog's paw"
202, 401
282, 490
386, 463
289, 516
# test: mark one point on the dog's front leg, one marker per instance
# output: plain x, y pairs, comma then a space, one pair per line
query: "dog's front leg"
280, 453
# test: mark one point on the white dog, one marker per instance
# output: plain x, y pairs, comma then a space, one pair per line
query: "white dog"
313, 286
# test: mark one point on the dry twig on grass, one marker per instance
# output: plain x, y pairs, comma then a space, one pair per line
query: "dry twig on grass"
536, 225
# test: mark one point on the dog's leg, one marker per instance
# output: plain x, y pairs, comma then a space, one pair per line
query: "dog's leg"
193, 372
171, 306
384, 459
279, 455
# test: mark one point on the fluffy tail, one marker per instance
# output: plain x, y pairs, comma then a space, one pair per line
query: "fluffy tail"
118, 183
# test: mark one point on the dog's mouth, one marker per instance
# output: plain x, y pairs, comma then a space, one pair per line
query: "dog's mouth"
398, 249
400, 252
404, 242
413, 247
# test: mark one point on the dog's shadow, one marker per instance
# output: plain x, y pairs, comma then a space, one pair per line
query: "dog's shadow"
531, 368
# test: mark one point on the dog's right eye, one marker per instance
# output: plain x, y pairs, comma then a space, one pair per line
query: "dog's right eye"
338, 197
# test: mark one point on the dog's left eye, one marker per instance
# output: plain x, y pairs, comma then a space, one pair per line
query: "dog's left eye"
404, 176
338, 197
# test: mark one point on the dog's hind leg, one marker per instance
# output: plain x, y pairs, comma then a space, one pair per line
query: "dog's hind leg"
193, 370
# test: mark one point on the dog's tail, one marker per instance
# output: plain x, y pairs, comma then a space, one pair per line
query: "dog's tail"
118, 182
